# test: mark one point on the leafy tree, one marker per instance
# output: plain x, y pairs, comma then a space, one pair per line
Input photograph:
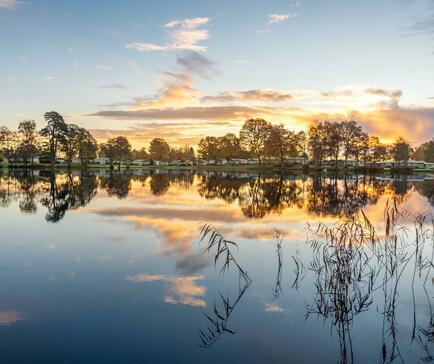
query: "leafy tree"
71, 141
317, 141
159, 149
361, 148
352, 139
301, 139
55, 133
27, 147
182, 153
117, 148
140, 154
229, 146
333, 135
208, 147
425, 151
8, 142
254, 136
281, 142
88, 146
377, 150
400, 150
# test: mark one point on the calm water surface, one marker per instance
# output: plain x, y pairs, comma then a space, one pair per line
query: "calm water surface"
107, 268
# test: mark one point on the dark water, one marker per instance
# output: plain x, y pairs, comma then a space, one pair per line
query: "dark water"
107, 268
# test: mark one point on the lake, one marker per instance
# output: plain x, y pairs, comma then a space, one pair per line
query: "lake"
106, 267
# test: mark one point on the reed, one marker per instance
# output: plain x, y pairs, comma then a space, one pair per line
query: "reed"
218, 319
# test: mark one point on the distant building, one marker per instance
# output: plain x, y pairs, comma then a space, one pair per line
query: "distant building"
238, 161
414, 164
184, 163
161, 163
102, 160
141, 162
271, 160
253, 161
201, 162
295, 161
385, 164
221, 162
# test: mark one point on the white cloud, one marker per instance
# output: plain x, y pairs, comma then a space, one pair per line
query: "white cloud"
103, 67
144, 47
280, 18
182, 34
270, 307
49, 78
183, 289
10, 4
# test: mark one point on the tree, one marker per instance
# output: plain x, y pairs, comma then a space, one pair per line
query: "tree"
8, 142
140, 154
281, 142
27, 147
317, 142
159, 149
334, 139
88, 146
302, 147
377, 150
55, 133
400, 150
182, 153
361, 148
116, 149
5, 134
254, 135
208, 147
425, 152
229, 146
71, 141
352, 139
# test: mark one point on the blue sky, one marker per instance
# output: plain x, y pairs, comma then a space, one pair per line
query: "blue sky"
159, 68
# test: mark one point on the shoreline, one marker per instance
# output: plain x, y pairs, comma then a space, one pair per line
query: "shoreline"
234, 168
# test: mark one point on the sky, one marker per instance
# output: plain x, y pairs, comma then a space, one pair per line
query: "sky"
185, 69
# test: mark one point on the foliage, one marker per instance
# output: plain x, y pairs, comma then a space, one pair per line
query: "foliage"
159, 149
400, 150
425, 152
55, 132
28, 146
116, 149
254, 135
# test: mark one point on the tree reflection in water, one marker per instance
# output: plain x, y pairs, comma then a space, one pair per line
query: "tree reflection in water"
257, 195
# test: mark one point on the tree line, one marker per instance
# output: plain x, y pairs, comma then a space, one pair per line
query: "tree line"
258, 138
325, 140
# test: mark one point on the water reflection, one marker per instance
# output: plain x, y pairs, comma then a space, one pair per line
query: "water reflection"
256, 195
138, 260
